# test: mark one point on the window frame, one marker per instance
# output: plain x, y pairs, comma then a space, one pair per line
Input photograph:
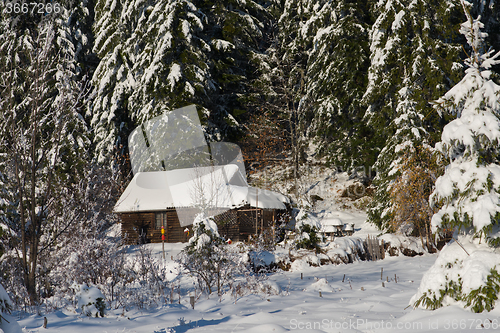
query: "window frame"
162, 218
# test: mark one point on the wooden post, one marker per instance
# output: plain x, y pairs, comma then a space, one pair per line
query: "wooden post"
383, 250
166, 224
163, 241
274, 227
256, 211
191, 300
262, 222
381, 273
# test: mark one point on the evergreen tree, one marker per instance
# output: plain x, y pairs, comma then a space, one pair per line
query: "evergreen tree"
468, 194
80, 18
277, 93
409, 137
413, 39
336, 81
158, 56
490, 17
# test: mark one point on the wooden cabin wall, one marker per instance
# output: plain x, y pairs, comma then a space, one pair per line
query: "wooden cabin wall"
133, 222
235, 224
227, 223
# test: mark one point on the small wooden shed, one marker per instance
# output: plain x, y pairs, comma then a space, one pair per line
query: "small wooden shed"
173, 199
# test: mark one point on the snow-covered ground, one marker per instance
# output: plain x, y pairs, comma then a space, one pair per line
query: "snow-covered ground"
358, 302
331, 298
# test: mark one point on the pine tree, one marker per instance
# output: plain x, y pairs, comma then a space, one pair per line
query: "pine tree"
413, 39
159, 56
336, 80
468, 194
395, 163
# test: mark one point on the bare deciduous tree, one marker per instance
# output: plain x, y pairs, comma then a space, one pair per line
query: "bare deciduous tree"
43, 142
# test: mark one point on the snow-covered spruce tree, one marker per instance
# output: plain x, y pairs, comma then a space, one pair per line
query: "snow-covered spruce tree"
414, 39
490, 17
161, 55
338, 59
79, 20
404, 164
468, 194
43, 141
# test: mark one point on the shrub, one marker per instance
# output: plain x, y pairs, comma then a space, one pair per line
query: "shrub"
5, 303
90, 300
308, 238
207, 259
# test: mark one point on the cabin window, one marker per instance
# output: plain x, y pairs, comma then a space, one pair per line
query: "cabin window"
161, 220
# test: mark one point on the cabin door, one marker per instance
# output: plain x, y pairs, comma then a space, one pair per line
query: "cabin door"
143, 234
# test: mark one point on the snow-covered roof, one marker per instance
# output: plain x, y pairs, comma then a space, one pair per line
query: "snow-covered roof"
214, 187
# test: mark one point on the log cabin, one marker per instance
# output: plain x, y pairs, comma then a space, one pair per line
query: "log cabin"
174, 198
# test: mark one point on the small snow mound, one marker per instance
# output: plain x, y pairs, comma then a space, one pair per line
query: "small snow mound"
262, 258
270, 288
9, 325
321, 285
90, 300
299, 265
404, 244
114, 231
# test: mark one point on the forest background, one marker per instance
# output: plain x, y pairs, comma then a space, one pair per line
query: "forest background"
344, 84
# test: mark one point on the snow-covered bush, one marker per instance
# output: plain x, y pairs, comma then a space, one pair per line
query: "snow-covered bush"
206, 257
216, 265
307, 227
147, 281
7, 323
90, 300
308, 238
468, 276
305, 217
261, 260
468, 194
5, 303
